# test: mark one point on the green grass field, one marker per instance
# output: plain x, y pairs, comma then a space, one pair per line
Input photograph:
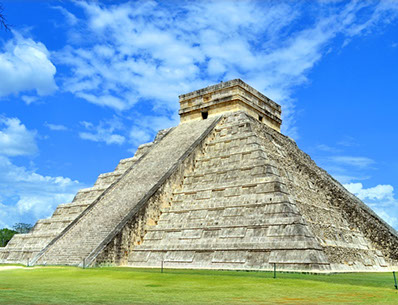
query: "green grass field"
68, 285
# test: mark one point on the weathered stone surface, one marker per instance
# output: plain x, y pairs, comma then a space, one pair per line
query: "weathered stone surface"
240, 216
231, 96
227, 192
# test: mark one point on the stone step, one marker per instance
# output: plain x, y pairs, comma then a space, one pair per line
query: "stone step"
230, 208
67, 217
55, 227
234, 126
217, 246
49, 221
234, 151
91, 193
29, 236
229, 142
143, 148
226, 255
237, 173
71, 209
125, 164
216, 161
233, 191
77, 203
258, 184
223, 231
254, 168
106, 179
230, 223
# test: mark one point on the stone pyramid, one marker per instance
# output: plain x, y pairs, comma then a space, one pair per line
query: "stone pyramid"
222, 190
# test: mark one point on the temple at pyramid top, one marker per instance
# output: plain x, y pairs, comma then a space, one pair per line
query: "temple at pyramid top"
230, 96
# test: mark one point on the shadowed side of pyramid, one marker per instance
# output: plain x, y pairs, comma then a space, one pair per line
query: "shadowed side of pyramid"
352, 236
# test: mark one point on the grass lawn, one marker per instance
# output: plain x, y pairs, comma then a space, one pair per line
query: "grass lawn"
69, 285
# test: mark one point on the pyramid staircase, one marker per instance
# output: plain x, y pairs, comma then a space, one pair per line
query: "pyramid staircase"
87, 235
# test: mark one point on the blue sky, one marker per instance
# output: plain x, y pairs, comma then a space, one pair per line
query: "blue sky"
82, 84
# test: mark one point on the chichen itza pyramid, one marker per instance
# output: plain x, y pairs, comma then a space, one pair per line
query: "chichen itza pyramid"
222, 190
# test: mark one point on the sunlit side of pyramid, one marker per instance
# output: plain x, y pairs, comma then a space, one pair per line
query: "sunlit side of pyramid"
222, 190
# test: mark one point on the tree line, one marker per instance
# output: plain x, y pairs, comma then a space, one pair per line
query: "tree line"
18, 228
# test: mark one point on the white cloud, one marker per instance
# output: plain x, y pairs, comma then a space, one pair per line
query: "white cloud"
27, 66
146, 126
70, 18
348, 141
346, 169
139, 136
384, 10
103, 132
327, 148
28, 99
151, 52
345, 178
359, 162
15, 138
380, 198
55, 127
387, 216
27, 196
379, 192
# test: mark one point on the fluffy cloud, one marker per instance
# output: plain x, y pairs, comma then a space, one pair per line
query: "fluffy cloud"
380, 198
379, 192
55, 127
146, 126
27, 66
29, 99
26, 195
15, 139
146, 51
70, 18
104, 132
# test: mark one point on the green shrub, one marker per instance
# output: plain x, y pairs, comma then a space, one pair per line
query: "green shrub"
5, 236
